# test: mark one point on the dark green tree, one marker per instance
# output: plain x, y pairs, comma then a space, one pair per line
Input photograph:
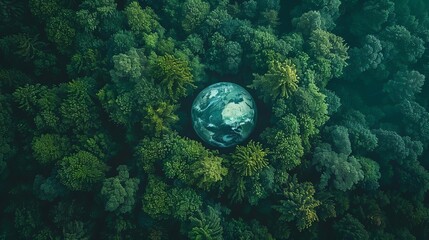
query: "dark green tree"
119, 192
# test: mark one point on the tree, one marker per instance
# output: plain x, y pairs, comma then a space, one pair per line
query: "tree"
48, 189
281, 81
308, 22
188, 161
224, 56
371, 17
121, 42
78, 109
400, 45
141, 20
371, 172
239, 229
350, 228
44, 9
285, 143
404, 85
391, 145
126, 65
28, 95
81, 170
60, 30
330, 54
194, 13
49, 148
339, 136
209, 171
361, 138
185, 202
119, 192
415, 119
149, 152
343, 169
206, 225
159, 119
249, 160
156, 200
368, 57
299, 204
174, 74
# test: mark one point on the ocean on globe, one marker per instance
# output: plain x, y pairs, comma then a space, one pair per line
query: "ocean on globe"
223, 114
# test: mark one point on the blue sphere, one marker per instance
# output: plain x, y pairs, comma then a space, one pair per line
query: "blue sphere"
223, 114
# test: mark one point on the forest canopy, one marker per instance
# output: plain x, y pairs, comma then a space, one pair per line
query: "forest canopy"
96, 138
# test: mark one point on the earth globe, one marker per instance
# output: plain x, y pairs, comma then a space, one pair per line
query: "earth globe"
223, 114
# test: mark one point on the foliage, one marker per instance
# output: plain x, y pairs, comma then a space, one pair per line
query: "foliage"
343, 169
299, 204
96, 140
206, 226
119, 192
280, 81
250, 159
49, 148
174, 75
160, 119
81, 170
350, 228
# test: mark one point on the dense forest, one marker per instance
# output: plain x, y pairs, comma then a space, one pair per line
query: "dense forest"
96, 137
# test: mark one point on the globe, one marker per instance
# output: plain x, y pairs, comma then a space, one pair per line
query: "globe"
223, 114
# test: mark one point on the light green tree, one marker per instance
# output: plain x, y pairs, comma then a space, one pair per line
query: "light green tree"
280, 81
174, 74
250, 159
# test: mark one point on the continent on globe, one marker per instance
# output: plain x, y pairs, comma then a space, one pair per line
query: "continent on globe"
223, 114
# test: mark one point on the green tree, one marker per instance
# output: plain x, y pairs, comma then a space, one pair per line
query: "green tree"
174, 74
60, 30
250, 159
401, 45
49, 148
28, 95
149, 152
141, 20
371, 17
119, 192
185, 202
156, 200
81, 170
299, 204
48, 189
371, 172
345, 170
415, 120
308, 22
330, 54
350, 228
194, 13
239, 229
209, 171
159, 119
206, 225
281, 81
44, 9
126, 65
285, 143
404, 85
